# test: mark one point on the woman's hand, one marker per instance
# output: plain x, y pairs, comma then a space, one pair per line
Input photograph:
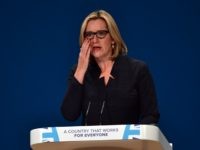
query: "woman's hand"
83, 61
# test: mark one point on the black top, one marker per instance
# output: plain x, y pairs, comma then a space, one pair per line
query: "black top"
128, 98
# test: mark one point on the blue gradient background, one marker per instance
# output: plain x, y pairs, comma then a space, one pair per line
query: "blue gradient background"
39, 44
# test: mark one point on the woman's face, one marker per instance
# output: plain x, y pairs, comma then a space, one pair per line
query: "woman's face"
100, 39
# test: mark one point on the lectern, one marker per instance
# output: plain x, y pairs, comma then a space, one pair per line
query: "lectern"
101, 137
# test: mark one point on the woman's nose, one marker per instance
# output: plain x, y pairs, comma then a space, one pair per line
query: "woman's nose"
94, 39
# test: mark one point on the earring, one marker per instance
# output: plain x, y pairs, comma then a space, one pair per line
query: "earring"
113, 44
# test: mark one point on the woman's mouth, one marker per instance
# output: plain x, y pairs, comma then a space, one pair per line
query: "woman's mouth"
96, 48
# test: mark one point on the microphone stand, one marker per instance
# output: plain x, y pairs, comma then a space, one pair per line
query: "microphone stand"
87, 111
102, 108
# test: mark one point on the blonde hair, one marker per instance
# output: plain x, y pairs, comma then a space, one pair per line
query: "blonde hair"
120, 46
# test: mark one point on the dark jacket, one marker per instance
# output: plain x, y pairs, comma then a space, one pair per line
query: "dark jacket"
128, 98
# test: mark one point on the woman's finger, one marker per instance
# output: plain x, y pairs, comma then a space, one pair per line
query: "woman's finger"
85, 46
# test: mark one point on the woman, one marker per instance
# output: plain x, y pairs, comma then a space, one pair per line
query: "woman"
106, 86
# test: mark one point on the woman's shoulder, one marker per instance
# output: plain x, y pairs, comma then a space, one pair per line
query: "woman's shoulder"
126, 60
133, 65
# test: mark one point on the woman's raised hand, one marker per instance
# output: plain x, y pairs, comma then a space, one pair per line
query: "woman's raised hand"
83, 60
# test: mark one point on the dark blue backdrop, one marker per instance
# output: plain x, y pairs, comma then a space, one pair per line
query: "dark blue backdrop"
39, 44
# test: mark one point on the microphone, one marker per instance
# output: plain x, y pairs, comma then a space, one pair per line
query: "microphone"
87, 111
102, 109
